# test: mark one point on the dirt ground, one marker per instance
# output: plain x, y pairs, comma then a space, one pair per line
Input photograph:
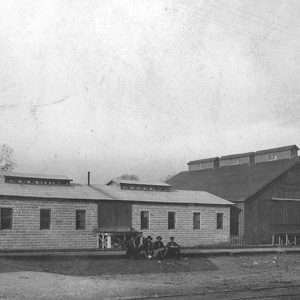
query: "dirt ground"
100, 278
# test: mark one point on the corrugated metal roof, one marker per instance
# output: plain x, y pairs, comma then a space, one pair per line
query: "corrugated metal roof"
176, 196
137, 182
33, 175
104, 192
73, 191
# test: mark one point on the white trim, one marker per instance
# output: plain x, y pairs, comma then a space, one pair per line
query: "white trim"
286, 199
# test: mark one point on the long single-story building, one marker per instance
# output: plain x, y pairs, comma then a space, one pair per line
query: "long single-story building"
51, 212
264, 185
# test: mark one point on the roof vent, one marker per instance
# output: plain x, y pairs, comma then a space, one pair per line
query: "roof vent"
286, 152
237, 159
202, 164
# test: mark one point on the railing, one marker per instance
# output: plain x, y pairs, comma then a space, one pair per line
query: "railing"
236, 240
117, 240
285, 239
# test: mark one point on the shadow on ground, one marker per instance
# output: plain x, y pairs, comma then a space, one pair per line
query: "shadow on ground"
93, 266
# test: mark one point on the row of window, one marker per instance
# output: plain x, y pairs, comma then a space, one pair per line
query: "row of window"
145, 220
36, 181
6, 218
144, 187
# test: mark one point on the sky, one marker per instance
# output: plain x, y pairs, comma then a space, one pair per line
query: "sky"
143, 87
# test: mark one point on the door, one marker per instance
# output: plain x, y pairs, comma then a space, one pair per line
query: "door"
114, 216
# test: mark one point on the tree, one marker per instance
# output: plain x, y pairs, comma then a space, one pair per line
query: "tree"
7, 158
129, 177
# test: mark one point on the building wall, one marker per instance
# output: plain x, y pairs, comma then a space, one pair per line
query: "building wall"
280, 155
184, 234
26, 233
261, 222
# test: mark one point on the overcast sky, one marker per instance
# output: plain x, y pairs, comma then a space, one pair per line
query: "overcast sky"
143, 87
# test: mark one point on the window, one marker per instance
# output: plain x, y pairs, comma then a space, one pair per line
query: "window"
196, 220
234, 161
171, 220
6, 218
80, 219
144, 219
219, 221
272, 156
45, 218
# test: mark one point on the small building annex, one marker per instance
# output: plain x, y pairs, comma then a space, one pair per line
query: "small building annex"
264, 185
51, 212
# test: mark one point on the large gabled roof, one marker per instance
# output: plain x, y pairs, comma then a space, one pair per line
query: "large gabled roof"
234, 183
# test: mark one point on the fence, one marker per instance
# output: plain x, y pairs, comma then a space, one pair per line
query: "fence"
236, 240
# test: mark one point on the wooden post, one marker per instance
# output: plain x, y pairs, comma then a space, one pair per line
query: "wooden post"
286, 239
273, 239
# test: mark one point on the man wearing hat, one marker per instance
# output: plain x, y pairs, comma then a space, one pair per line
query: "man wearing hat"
173, 249
159, 248
147, 248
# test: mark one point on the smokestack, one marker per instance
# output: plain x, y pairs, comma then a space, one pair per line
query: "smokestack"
89, 177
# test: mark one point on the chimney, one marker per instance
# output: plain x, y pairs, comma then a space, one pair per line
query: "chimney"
89, 177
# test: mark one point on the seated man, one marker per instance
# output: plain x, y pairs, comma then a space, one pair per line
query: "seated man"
131, 248
173, 249
147, 248
159, 248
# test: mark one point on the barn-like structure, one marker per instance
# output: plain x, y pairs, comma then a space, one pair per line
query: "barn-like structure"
265, 187
50, 212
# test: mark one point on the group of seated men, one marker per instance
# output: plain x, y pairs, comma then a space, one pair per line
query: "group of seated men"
158, 250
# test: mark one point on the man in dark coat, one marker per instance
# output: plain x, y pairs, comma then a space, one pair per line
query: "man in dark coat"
159, 248
147, 248
173, 249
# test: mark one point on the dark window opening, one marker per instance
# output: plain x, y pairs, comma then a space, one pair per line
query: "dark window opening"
219, 221
196, 220
6, 218
45, 218
171, 220
80, 219
144, 219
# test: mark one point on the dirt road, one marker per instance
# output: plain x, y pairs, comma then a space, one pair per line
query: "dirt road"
227, 273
